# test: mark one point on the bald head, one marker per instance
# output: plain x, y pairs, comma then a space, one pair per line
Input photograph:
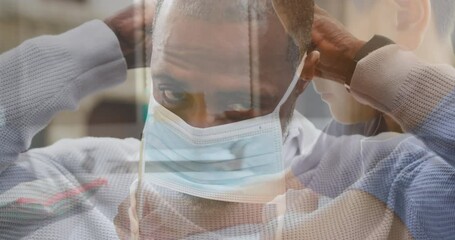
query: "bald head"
217, 62
238, 11
222, 10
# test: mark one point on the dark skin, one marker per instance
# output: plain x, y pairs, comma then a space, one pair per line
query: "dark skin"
203, 80
336, 45
132, 27
200, 78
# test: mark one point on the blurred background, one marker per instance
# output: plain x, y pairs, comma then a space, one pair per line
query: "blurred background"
116, 112
119, 112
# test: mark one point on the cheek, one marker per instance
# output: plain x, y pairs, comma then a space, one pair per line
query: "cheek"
318, 85
343, 102
327, 86
342, 106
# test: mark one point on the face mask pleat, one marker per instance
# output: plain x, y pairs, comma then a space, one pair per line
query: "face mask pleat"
240, 161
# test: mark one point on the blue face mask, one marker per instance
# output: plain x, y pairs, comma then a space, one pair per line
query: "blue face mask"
236, 162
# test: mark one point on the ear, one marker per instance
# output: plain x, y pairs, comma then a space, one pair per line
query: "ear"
413, 18
309, 70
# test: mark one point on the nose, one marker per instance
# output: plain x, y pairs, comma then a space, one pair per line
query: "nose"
201, 115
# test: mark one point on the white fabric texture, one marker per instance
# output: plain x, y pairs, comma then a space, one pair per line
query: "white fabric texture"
49, 74
40, 78
397, 82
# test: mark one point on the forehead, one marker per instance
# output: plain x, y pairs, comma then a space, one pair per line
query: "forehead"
174, 28
206, 46
229, 48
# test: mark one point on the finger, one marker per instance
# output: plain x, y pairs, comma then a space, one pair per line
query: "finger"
292, 181
150, 6
134, 221
310, 66
121, 220
303, 201
318, 38
122, 234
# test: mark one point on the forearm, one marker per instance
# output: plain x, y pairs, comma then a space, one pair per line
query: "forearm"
49, 74
418, 95
71, 179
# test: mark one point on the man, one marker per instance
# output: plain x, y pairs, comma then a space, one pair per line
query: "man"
407, 190
71, 189
419, 26
377, 206
95, 231
215, 64
61, 179
355, 124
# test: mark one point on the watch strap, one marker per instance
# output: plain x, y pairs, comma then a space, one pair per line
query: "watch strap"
372, 45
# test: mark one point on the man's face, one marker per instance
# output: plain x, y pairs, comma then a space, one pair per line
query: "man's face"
343, 107
217, 72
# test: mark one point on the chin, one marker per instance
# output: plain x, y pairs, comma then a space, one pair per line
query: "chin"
339, 116
343, 118
352, 115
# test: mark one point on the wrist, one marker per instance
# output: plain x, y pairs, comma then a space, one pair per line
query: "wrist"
112, 25
127, 45
363, 49
354, 49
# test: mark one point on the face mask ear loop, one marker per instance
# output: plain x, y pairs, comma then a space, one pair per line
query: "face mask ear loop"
141, 167
141, 172
291, 87
136, 199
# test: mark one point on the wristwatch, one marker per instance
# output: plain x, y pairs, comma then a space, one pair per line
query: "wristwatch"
375, 43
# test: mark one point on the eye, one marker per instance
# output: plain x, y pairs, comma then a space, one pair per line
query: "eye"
172, 96
239, 107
